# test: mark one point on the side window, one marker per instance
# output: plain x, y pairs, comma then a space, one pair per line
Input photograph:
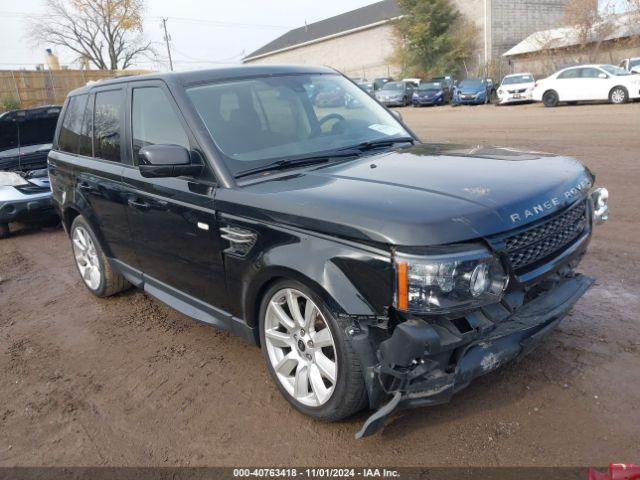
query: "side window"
573, 73
69, 138
590, 73
106, 125
86, 130
154, 121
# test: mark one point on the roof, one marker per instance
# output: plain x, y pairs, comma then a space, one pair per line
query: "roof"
615, 26
194, 77
364, 17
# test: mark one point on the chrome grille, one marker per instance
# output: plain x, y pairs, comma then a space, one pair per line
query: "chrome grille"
547, 239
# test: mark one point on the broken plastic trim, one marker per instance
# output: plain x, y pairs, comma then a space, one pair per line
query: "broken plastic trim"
420, 381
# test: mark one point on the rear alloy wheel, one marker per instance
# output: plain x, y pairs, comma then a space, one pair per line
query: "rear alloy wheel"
309, 355
619, 95
93, 266
550, 99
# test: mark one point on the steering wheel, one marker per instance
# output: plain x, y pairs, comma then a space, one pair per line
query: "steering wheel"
331, 116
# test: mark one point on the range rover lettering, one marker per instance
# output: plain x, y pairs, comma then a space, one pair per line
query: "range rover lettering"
373, 270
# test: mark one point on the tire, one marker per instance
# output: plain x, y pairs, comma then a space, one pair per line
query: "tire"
550, 99
92, 263
330, 401
618, 95
4, 230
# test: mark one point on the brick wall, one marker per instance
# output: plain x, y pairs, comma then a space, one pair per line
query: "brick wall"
514, 20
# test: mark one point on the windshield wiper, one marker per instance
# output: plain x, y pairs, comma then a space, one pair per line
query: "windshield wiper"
300, 162
382, 142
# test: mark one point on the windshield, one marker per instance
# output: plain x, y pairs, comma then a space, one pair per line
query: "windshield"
393, 86
257, 120
517, 79
430, 86
614, 70
634, 63
472, 83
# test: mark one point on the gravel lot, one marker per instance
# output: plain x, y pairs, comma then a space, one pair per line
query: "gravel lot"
128, 381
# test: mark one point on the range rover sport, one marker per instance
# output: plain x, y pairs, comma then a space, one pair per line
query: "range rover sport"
373, 270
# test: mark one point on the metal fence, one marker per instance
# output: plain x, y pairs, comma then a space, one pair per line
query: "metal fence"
26, 89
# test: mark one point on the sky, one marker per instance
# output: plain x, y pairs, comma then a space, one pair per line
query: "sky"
203, 33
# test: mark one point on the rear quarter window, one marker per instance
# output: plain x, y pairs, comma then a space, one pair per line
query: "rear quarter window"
70, 130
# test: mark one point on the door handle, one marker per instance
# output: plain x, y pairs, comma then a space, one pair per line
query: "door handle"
85, 187
139, 204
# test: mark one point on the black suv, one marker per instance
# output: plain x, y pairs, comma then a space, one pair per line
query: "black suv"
373, 270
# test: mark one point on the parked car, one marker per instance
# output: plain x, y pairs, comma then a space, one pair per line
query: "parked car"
25, 197
368, 87
395, 94
515, 88
26, 136
335, 244
472, 91
430, 93
414, 81
448, 83
631, 65
378, 83
587, 83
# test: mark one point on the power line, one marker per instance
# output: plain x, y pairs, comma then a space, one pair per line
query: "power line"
195, 21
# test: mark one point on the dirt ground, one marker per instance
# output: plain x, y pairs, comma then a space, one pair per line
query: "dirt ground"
128, 381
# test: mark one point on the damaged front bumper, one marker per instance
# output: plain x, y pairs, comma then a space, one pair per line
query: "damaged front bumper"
425, 363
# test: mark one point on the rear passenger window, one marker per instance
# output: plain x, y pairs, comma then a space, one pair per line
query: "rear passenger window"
154, 121
106, 125
69, 138
85, 147
573, 73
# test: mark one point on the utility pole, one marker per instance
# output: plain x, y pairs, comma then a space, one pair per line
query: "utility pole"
166, 39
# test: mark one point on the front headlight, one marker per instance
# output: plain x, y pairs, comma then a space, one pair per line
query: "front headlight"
449, 282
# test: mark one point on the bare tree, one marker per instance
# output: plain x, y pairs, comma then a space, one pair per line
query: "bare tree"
592, 24
107, 33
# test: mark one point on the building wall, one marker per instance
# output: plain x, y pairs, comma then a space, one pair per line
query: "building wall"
544, 63
360, 54
367, 52
514, 20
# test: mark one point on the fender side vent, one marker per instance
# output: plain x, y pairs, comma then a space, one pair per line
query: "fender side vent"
241, 240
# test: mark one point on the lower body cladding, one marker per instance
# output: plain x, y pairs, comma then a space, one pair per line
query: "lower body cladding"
424, 362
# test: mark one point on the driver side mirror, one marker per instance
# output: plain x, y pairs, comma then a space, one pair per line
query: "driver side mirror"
157, 161
602, 75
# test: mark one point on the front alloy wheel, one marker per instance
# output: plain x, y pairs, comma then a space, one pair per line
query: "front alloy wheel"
86, 256
308, 353
301, 348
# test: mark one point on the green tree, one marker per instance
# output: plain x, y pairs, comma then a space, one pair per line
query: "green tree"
433, 38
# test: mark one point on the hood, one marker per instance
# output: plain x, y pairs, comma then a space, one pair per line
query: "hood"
517, 86
417, 196
429, 92
471, 91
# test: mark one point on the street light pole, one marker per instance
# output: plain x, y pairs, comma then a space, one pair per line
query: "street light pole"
166, 39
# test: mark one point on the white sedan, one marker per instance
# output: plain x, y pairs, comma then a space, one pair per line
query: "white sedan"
588, 83
517, 87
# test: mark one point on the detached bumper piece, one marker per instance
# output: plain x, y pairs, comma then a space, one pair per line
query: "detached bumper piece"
425, 363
